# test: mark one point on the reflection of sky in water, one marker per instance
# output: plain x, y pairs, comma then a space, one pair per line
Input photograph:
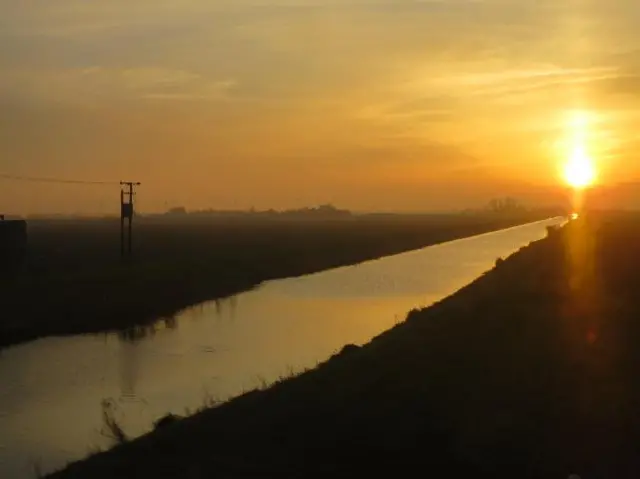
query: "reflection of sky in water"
431, 270
52, 389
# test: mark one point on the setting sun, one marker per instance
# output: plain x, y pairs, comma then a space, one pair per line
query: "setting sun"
579, 171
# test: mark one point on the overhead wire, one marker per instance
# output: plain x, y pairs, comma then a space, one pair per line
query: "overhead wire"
60, 181
41, 179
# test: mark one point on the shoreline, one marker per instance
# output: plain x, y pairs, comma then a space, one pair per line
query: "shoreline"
274, 403
528, 371
163, 292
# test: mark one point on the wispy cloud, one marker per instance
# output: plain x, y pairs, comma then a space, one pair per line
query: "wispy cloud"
350, 79
96, 84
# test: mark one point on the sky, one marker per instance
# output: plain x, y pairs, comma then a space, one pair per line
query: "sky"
391, 105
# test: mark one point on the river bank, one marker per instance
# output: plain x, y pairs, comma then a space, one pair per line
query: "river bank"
530, 371
75, 283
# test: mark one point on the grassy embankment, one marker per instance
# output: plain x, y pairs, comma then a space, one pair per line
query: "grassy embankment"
531, 371
74, 281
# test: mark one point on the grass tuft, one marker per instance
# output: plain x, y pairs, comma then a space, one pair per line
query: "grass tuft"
111, 428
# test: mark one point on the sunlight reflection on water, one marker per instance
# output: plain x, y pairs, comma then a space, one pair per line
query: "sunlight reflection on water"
53, 388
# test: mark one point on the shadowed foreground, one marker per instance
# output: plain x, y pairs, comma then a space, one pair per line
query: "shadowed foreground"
530, 372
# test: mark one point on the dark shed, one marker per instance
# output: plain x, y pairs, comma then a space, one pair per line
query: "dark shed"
13, 242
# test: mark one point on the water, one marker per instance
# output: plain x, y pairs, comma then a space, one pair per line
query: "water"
52, 389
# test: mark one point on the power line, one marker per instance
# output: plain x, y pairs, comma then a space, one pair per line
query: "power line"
127, 194
40, 179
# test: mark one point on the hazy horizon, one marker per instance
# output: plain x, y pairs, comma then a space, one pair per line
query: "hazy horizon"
213, 211
376, 105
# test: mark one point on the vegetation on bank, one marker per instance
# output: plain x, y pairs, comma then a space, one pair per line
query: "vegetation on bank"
75, 282
530, 371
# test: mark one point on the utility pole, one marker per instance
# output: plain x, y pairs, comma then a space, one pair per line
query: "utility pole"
127, 193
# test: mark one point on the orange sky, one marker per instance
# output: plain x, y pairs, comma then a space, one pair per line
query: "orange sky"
369, 104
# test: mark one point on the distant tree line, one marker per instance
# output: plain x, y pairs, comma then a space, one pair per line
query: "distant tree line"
510, 206
505, 205
322, 211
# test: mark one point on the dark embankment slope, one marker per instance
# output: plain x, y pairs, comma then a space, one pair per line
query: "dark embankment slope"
74, 281
531, 371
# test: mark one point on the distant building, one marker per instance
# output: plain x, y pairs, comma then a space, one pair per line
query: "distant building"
13, 242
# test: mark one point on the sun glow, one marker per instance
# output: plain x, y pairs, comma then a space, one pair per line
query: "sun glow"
579, 170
